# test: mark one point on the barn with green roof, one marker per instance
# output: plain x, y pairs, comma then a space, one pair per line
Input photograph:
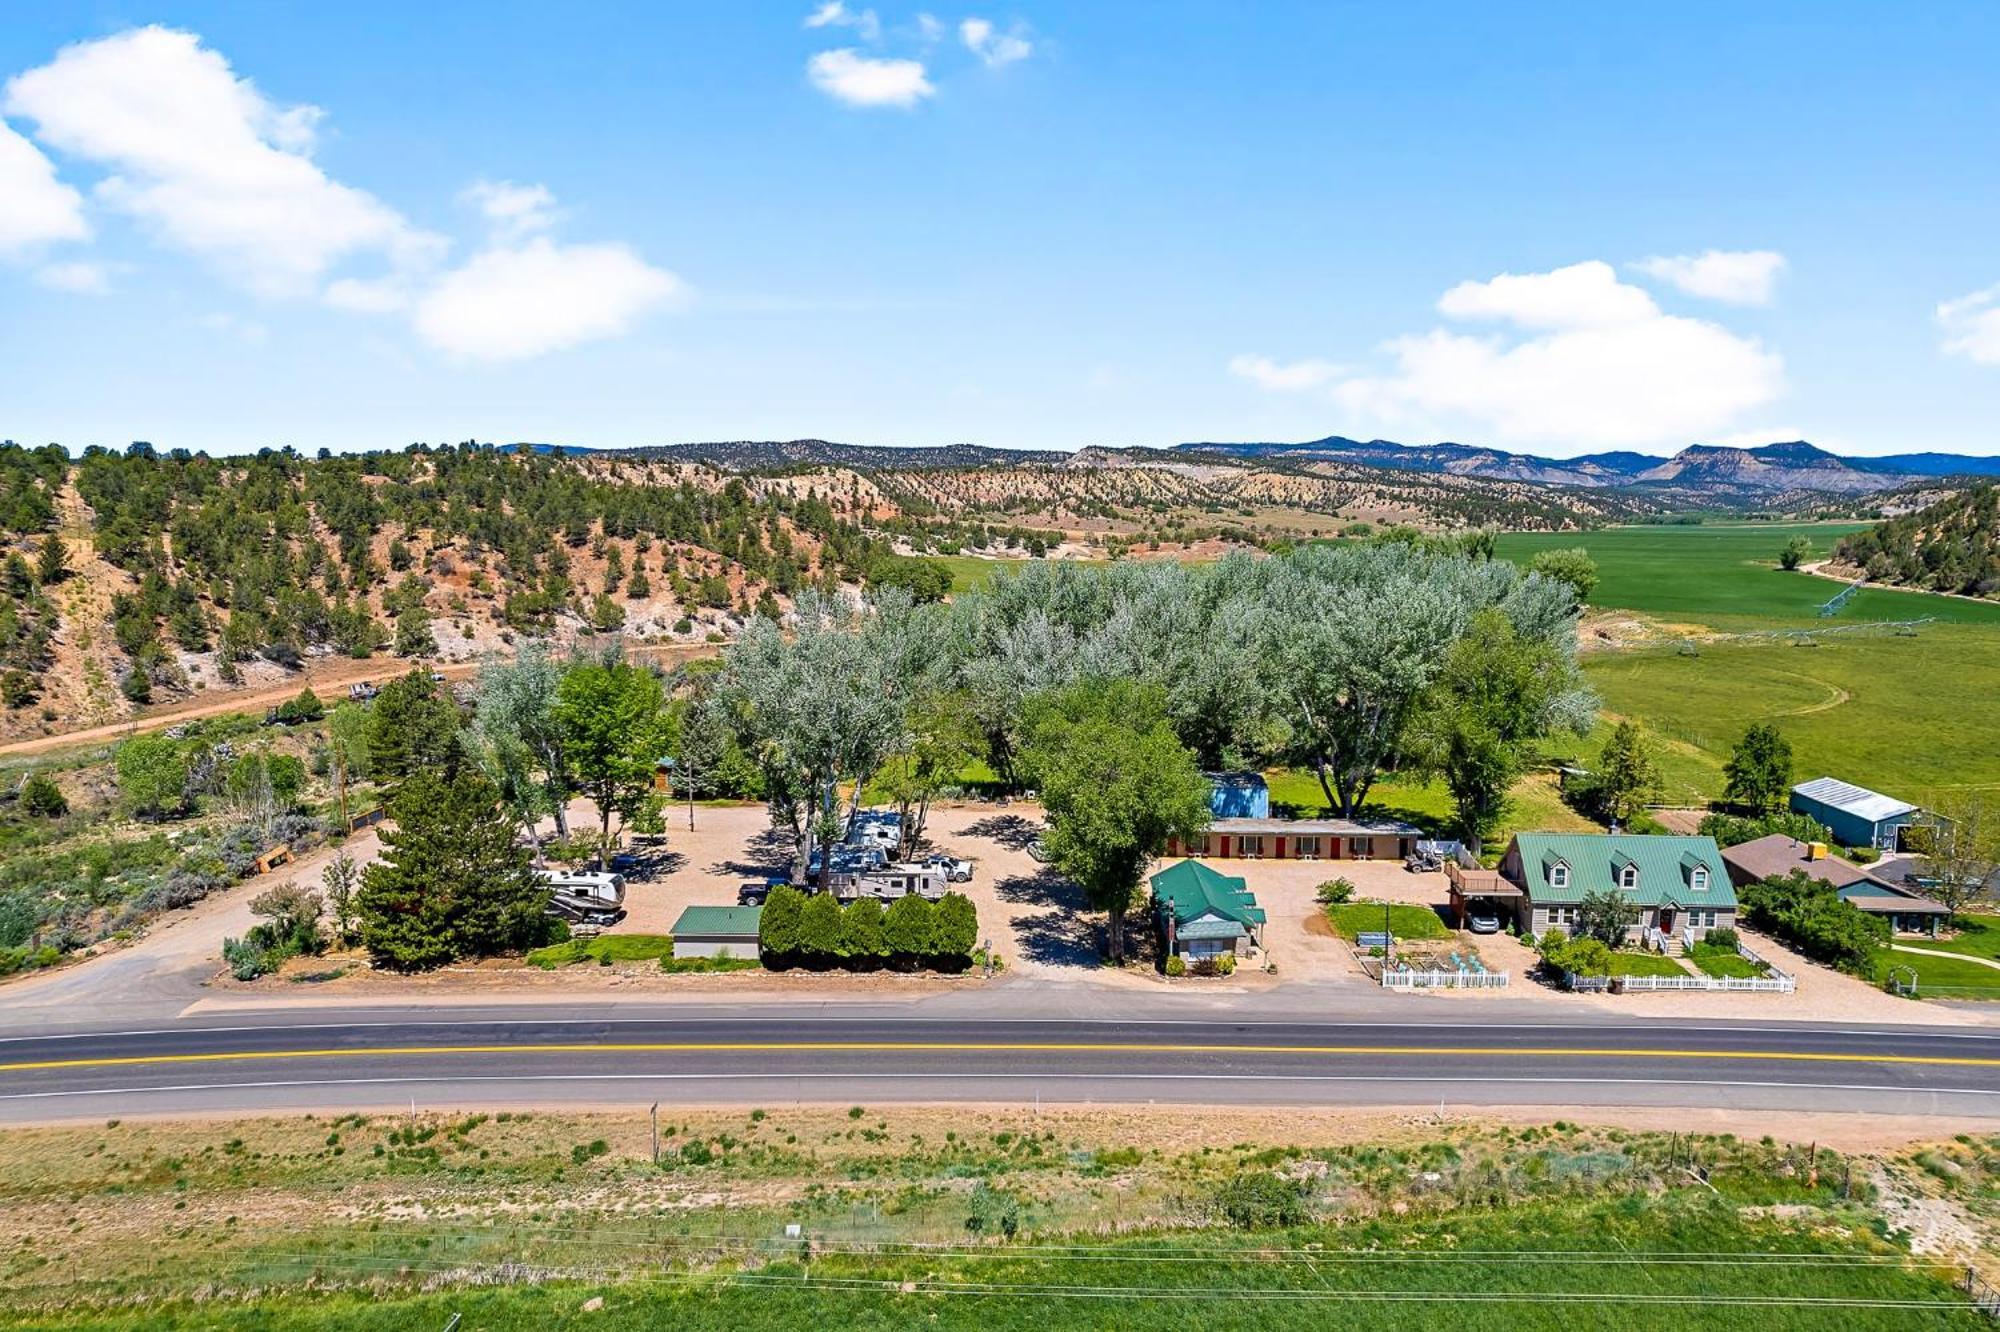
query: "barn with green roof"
1204, 914
1679, 884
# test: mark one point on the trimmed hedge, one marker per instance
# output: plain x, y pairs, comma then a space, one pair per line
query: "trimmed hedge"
812, 929
1810, 916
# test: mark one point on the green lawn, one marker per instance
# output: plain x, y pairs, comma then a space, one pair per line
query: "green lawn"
1351, 919
1726, 963
1631, 962
1978, 935
1727, 575
603, 948
1942, 977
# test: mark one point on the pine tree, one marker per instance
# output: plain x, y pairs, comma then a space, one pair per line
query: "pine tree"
52, 564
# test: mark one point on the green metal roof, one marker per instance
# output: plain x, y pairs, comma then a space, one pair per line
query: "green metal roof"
1191, 890
699, 920
1666, 867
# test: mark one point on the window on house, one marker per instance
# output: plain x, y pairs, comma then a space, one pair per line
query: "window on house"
1359, 848
1628, 876
1250, 846
1307, 848
1699, 879
1558, 876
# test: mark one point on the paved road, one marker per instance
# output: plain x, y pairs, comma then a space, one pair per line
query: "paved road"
388, 1057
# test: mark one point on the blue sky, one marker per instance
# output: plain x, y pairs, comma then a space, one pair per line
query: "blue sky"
226, 226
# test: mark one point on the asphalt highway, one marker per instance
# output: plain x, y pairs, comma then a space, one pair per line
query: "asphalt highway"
390, 1057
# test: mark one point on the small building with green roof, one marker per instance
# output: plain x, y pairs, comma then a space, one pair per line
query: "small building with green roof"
1679, 884
1204, 914
718, 931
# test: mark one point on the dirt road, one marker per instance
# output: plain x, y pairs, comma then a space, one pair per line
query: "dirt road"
328, 678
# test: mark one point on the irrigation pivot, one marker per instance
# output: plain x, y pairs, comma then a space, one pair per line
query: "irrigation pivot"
1838, 601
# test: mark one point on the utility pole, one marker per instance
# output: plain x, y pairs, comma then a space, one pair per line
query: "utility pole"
656, 1132
1388, 939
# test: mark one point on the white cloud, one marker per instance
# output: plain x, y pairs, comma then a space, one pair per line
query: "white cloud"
929, 27
35, 207
858, 80
370, 295
207, 160
1586, 295
1593, 362
1735, 277
79, 276
513, 210
1291, 377
1972, 326
992, 46
834, 14
514, 302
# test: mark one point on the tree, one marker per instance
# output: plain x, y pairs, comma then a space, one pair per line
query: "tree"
339, 880
522, 745
954, 928
287, 775
939, 739
907, 928
52, 562
778, 923
1115, 794
1759, 772
41, 798
347, 728
819, 927
1795, 552
613, 723
452, 882
413, 727
863, 933
1961, 838
152, 776
1627, 777
1572, 566
1607, 915
306, 707
1498, 694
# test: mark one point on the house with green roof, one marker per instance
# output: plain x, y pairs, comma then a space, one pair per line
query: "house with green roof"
1204, 914
1680, 884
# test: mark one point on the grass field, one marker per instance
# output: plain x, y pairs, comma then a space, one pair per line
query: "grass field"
1629, 962
1726, 575
1911, 716
1066, 1219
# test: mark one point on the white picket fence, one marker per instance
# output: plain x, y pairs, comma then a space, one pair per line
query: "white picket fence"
1774, 984
1394, 979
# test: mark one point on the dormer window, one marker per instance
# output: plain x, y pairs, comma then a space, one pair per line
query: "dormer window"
1558, 875
1628, 876
1698, 879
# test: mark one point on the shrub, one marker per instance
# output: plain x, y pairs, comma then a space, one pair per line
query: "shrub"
778, 923
907, 928
1334, 892
955, 928
1176, 965
1258, 1200
1810, 916
1225, 965
1734, 829
43, 799
1722, 936
863, 935
819, 928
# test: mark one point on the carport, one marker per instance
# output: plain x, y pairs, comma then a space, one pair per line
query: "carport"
1469, 885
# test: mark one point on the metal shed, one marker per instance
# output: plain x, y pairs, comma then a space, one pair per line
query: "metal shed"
711, 931
1855, 815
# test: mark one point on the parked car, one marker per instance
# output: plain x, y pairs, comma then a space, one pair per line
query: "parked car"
954, 869
1483, 922
755, 894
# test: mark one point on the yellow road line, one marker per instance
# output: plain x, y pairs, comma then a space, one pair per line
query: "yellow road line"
999, 1047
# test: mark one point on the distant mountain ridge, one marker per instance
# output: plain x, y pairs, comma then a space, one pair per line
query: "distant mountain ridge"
1791, 465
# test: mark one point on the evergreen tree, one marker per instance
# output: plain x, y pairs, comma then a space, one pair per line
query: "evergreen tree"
412, 727
863, 934
1627, 777
52, 564
954, 928
452, 882
778, 923
819, 928
907, 928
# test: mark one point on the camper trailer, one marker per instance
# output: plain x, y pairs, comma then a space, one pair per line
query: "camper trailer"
585, 898
887, 882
